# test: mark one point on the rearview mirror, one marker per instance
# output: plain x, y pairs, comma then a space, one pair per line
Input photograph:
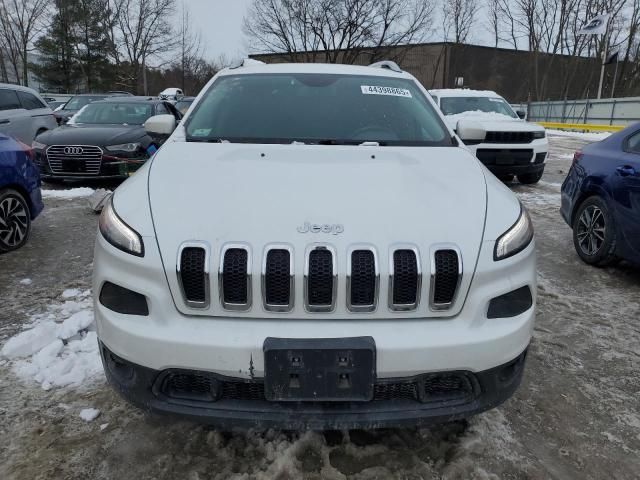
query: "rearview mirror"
521, 114
470, 131
160, 125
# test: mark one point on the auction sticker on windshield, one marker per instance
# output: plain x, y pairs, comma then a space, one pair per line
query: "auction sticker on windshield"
392, 91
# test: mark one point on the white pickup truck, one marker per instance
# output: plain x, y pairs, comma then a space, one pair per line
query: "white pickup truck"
313, 248
500, 137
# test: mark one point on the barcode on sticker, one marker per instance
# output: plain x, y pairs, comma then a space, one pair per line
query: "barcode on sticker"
392, 91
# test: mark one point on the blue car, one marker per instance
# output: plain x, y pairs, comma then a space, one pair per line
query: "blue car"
601, 199
20, 197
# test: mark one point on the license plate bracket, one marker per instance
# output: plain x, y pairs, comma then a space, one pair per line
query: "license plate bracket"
320, 369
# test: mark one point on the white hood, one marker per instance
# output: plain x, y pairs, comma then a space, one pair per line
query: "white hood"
260, 194
492, 122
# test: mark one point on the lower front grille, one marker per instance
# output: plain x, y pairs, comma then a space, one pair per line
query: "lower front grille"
74, 159
201, 387
496, 156
192, 386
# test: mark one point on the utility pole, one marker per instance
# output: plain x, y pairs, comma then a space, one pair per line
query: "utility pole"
605, 53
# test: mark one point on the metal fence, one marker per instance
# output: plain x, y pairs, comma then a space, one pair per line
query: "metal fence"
615, 111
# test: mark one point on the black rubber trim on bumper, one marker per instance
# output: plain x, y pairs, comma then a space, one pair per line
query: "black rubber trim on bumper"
499, 170
136, 384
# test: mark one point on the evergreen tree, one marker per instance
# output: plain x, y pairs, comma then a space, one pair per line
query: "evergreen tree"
76, 48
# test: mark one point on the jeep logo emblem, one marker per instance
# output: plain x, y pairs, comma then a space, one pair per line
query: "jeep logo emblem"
334, 229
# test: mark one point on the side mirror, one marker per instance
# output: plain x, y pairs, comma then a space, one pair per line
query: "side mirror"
470, 131
160, 125
521, 114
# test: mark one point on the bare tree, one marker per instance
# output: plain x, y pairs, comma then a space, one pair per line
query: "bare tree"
189, 48
20, 24
493, 20
336, 30
142, 33
458, 18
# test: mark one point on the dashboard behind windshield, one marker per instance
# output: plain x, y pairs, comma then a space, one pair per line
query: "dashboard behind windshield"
316, 109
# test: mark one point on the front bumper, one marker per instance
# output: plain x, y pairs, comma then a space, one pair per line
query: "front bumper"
240, 402
512, 159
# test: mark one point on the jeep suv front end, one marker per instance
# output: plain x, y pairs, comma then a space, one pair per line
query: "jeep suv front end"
310, 267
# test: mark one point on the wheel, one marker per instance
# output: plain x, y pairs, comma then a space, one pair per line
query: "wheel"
594, 233
530, 178
506, 178
15, 220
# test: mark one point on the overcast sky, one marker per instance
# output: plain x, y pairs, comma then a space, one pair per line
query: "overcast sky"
220, 24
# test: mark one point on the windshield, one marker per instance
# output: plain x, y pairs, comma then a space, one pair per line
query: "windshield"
183, 106
114, 113
456, 105
318, 109
76, 103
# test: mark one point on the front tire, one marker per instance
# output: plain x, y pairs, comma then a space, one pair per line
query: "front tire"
594, 232
530, 178
15, 220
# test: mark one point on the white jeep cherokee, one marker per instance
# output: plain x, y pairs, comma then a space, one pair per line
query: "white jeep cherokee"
501, 139
312, 248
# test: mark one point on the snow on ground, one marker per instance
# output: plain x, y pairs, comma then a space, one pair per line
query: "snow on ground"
588, 136
26, 281
69, 194
59, 347
542, 195
89, 414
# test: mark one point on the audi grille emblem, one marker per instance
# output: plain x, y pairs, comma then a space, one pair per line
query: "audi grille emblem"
73, 150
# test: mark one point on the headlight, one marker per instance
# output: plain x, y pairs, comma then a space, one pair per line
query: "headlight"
124, 147
541, 134
118, 233
38, 146
516, 238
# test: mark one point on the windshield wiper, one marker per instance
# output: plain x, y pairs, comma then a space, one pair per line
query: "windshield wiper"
208, 140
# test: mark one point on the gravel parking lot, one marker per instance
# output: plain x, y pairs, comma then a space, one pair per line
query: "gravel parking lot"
576, 415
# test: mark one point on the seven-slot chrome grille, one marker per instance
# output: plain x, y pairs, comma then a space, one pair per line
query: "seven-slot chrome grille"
320, 282
75, 159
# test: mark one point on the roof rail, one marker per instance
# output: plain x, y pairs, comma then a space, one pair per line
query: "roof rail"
388, 64
247, 62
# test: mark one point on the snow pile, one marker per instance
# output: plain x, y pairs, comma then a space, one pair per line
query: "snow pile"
463, 92
69, 194
89, 414
26, 281
59, 347
589, 136
480, 116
